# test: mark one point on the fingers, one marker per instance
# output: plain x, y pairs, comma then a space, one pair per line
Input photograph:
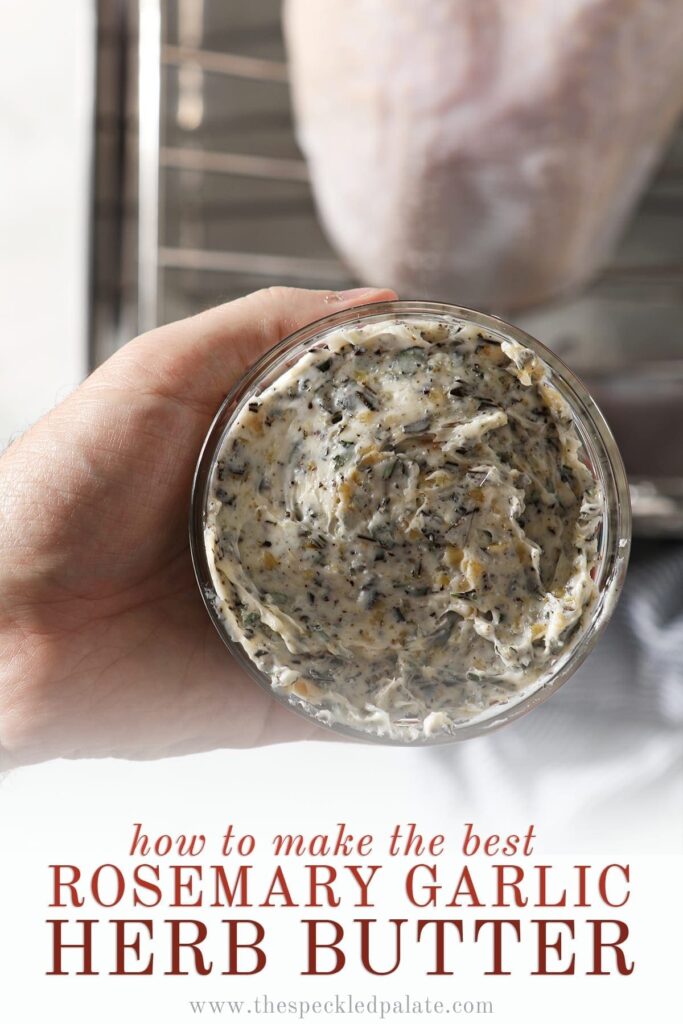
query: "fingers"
199, 359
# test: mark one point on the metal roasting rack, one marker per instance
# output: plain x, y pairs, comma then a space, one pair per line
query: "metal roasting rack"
200, 194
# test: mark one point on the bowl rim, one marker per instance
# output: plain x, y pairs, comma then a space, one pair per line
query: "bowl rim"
594, 433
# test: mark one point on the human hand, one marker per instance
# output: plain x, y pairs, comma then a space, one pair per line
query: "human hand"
105, 646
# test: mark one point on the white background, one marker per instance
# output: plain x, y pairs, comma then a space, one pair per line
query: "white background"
84, 814
46, 59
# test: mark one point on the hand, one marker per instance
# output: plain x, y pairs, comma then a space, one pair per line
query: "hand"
105, 646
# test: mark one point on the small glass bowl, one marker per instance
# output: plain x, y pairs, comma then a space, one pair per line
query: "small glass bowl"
601, 454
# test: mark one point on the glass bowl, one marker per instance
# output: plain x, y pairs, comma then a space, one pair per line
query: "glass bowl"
600, 451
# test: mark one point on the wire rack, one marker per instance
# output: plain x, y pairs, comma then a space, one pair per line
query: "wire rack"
201, 194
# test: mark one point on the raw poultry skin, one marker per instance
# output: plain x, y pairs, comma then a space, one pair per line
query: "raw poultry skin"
486, 152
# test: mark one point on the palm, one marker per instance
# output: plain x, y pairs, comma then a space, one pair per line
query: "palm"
101, 613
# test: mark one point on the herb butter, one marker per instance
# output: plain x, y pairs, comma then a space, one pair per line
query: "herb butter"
402, 530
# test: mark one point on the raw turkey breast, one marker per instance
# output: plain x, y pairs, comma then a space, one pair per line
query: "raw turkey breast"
487, 152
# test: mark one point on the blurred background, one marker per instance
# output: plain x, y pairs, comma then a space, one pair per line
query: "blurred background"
151, 168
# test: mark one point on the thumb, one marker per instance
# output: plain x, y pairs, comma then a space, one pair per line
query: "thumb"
199, 359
